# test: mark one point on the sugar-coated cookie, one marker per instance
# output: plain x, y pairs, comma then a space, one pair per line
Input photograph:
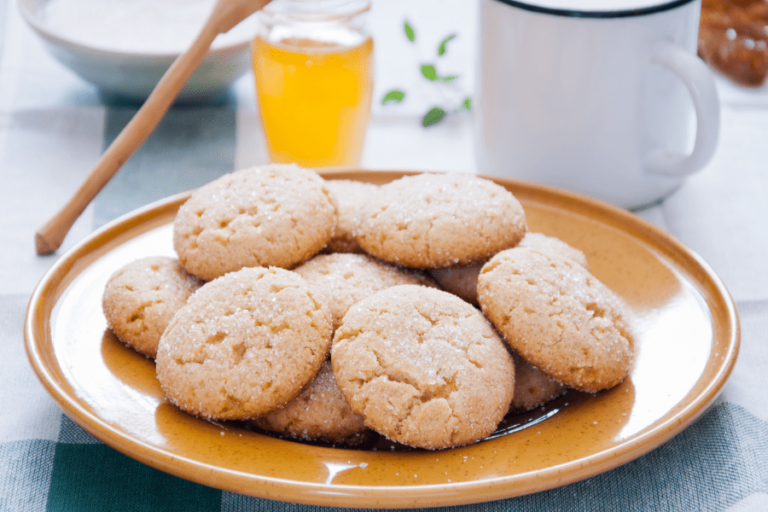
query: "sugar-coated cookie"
351, 195
276, 215
423, 367
141, 298
557, 316
439, 220
245, 344
320, 413
345, 279
462, 281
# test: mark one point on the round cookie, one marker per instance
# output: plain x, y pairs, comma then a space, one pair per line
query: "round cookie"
141, 298
245, 344
345, 279
462, 281
320, 413
557, 316
532, 387
351, 195
439, 220
277, 215
423, 367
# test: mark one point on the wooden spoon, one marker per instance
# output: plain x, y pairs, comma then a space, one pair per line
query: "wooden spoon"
225, 15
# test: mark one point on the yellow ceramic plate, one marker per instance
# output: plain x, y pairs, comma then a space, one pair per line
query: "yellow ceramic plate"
687, 335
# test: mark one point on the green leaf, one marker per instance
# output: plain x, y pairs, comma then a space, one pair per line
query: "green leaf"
429, 72
433, 116
467, 104
393, 95
448, 79
441, 48
409, 33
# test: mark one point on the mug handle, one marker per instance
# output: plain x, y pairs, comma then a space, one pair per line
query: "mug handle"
701, 84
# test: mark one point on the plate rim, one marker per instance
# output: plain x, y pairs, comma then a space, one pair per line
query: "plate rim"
37, 319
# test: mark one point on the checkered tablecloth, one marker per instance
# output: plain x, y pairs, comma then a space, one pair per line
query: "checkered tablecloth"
54, 126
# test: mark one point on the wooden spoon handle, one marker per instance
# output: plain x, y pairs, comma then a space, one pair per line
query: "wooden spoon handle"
226, 14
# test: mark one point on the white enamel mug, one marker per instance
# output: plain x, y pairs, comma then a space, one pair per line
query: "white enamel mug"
595, 96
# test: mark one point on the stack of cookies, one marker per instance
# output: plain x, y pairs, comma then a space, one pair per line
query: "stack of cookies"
331, 309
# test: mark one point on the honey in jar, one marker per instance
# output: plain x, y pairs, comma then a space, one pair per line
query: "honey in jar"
313, 65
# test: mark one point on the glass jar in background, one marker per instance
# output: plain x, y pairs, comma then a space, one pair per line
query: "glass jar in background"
313, 64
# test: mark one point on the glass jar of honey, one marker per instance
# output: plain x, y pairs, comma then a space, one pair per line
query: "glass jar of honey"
313, 64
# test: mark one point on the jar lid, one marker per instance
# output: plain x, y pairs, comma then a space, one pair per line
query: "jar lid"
597, 8
316, 10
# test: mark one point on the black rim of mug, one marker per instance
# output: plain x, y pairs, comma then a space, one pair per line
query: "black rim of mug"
626, 13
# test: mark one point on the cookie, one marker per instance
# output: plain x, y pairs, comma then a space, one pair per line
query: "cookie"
277, 215
141, 298
462, 281
439, 220
245, 344
557, 316
351, 195
320, 413
345, 279
532, 386
423, 367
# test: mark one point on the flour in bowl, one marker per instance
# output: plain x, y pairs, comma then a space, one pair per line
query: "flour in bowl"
137, 26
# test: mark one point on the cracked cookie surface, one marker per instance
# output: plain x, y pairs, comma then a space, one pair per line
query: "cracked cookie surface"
345, 279
439, 220
141, 298
244, 344
351, 195
557, 316
276, 215
319, 413
423, 367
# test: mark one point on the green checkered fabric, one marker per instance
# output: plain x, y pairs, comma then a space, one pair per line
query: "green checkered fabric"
718, 461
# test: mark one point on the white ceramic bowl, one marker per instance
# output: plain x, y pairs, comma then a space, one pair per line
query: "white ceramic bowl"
131, 73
